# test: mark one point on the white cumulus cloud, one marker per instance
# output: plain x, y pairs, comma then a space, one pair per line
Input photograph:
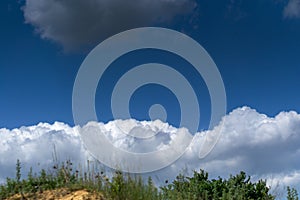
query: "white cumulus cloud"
78, 24
262, 146
34, 146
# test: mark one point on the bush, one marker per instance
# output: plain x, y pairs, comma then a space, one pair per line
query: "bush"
200, 187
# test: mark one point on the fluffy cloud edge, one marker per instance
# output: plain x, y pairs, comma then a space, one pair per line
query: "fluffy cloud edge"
262, 146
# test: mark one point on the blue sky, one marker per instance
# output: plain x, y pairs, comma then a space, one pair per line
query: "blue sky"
255, 45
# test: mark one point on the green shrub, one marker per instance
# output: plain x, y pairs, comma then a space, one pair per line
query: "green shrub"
200, 187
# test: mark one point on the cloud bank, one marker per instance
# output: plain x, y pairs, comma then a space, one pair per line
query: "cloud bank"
78, 24
262, 146
34, 146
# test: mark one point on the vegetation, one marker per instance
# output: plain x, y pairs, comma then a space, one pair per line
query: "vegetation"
125, 186
200, 187
292, 194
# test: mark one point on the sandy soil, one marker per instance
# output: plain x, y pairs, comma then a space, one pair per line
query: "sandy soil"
61, 194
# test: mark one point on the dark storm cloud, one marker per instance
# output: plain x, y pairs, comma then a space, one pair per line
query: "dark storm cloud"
76, 24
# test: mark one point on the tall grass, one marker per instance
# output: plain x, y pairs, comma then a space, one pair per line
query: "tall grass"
123, 186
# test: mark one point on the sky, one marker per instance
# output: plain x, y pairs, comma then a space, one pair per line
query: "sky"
254, 44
